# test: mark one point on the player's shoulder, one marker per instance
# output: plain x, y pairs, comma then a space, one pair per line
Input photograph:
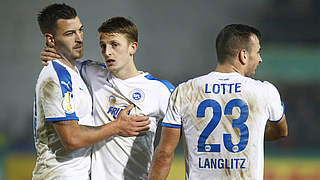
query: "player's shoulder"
51, 70
194, 82
90, 64
91, 69
50, 74
261, 87
260, 83
158, 83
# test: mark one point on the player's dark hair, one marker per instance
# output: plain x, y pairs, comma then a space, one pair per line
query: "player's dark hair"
120, 25
232, 39
48, 17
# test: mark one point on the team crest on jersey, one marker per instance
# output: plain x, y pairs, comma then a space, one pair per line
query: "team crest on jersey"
137, 95
68, 103
112, 99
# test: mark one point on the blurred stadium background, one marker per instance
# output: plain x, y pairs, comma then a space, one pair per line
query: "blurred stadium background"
176, 43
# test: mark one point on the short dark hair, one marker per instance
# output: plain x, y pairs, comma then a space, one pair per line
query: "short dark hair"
48, 17
120, 25
232, 39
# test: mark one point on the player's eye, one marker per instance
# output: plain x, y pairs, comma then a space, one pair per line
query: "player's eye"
81, 29
70, 33
114, 44
102, 46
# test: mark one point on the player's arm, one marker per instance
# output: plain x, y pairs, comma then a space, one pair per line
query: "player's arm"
164, 153
71, 134
74, 136
276, 130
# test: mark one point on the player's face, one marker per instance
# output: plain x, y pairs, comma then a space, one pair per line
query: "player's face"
254, 57
117, 52
69, 38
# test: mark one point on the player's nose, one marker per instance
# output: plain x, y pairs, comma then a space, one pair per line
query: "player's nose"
108, 50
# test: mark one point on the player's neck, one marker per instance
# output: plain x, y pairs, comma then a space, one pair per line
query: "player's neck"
228, 68
126, 72
69, 63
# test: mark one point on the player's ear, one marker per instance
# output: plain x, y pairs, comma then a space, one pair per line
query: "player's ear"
49, 40
243, 56
133, 46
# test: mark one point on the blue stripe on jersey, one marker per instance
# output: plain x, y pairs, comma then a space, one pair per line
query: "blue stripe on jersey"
282, 112
165, 82
35, 122
62, 118
35, 119
66, 86
170, 125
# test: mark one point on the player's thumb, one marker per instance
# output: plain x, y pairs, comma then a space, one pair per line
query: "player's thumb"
128, 109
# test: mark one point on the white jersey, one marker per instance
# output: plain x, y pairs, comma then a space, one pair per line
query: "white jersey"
61, 95
223, 118
119, 157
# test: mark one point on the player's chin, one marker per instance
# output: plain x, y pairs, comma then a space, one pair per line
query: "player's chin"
78, 55
252, 75
111, 68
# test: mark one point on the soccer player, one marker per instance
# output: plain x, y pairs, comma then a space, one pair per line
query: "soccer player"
63, 104
114, 85
222, 116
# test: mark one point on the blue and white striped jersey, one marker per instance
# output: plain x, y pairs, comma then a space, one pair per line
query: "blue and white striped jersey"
61, 95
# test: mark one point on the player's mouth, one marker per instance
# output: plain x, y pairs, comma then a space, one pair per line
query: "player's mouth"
110, 62
78, 47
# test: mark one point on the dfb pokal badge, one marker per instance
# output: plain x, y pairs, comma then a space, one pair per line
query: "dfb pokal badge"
137, 95
67, 103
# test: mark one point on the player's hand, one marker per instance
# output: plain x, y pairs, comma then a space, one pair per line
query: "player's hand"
129, 125
49, 54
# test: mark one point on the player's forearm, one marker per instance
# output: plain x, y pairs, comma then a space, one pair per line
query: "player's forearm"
74, 136
164, 153
273, 134
88, 135
160, 165
274, 131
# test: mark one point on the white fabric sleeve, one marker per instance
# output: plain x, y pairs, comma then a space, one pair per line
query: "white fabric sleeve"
55, 107
163, 102
275, 108
173, 117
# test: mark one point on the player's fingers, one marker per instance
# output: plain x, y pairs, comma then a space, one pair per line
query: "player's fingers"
135, 133
127, 109
50, 49
143, 128
140, 118
143, 133
142, 123
49, 54
45, 63
47, 58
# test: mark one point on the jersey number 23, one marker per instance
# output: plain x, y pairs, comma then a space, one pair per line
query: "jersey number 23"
236, 123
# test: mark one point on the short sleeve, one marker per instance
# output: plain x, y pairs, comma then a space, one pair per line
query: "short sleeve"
173, 117
56, 106
163, 102
275, 107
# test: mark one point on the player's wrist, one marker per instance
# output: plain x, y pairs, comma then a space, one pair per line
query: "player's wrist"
115, 126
